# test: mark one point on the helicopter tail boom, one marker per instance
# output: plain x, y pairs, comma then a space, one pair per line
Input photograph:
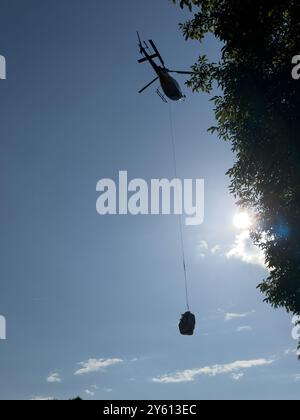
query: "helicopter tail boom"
146, 51
157, 52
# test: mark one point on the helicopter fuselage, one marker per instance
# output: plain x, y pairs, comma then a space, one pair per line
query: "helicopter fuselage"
169, 85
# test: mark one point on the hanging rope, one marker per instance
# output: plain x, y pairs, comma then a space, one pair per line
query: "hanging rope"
180, 215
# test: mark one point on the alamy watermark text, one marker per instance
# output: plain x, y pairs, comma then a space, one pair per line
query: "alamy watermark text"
296, 68
159, 197
2, 328
2, 68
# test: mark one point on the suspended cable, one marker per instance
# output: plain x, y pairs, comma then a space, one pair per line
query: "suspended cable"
180, 215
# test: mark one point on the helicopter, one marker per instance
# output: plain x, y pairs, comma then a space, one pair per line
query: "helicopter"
169, 85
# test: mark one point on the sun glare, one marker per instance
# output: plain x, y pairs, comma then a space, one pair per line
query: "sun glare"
242, 220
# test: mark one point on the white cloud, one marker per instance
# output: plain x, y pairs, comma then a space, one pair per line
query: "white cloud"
40, 398
244, 250
203, 245
244, 328
92, 390
204, 249
231, 368
232, 316
215, 249
89, 393
54, 378
95, 365
238, 376
108, 390
290, 351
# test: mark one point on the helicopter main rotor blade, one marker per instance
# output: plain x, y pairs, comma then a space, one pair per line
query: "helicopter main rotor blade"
180, 72
138, 34
149, 84
143, 60
157, 52
140, 42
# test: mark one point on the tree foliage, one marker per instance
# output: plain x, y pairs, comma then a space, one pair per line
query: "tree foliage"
259, 114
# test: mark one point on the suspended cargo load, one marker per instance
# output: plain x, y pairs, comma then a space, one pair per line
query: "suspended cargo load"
187, 324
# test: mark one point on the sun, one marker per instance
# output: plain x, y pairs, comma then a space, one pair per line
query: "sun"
242, 220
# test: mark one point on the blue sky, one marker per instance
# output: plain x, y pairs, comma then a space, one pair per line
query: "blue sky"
92, 303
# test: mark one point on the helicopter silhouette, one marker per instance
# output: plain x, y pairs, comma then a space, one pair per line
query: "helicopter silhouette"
169, 85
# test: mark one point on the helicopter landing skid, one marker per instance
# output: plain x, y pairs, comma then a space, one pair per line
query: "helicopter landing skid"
161, 96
